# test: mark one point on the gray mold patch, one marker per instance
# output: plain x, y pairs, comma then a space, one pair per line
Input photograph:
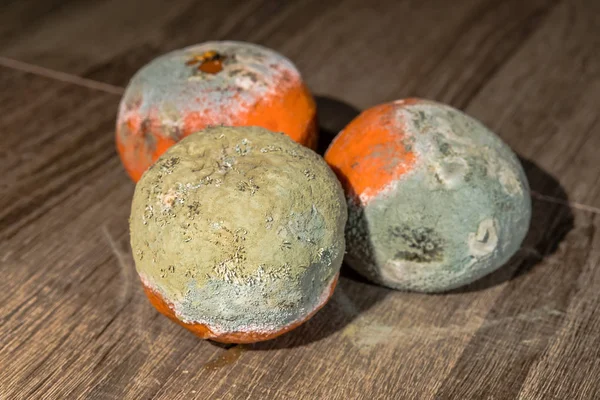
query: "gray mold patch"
261, 305
238, 238
308, 227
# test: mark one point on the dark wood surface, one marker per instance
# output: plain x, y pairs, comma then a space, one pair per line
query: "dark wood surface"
74, 322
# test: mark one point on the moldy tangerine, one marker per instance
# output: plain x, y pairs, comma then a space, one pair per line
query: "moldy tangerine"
214, 83
238, 233
435, 199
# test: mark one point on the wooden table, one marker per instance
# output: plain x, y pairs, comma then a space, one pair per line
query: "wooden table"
74, 321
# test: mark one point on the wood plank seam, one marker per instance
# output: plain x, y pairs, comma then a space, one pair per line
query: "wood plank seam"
60, 76
118, 90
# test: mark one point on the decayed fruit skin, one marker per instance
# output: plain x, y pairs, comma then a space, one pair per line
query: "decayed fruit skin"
238, 233
436, 200
214, 83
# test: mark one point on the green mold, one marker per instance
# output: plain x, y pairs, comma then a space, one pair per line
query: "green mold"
230, 229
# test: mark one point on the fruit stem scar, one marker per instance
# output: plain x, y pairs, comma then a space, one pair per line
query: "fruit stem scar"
210, 62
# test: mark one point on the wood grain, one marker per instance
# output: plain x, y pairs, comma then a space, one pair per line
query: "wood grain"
72, 311
74, 321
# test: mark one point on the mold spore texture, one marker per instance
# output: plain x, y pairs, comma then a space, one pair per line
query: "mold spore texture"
461, 212
170, 87
240, 229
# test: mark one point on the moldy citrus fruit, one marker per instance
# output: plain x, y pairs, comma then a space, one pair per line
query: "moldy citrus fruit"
436, 200
238, 233
214, 83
